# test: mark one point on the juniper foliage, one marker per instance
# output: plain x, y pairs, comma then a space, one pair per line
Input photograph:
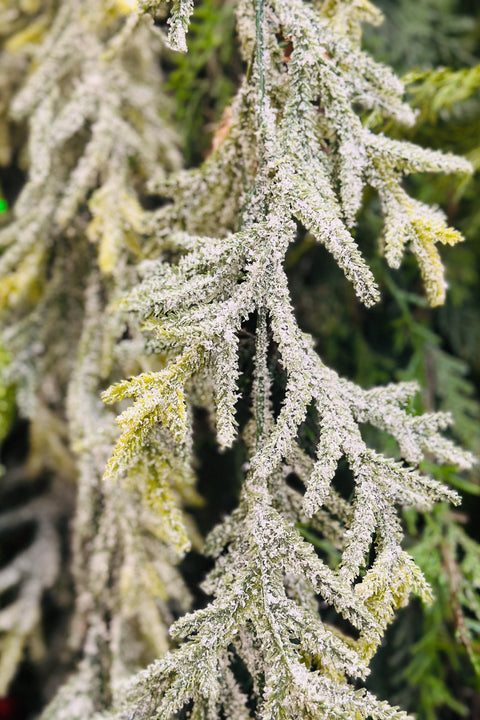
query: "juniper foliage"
297, 151
448, 104
285, 110
93, 78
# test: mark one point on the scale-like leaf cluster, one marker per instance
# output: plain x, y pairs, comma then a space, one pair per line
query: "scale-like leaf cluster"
88, 83
160, 298
296, 150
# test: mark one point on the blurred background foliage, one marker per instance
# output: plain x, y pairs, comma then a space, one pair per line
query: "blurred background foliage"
430, 662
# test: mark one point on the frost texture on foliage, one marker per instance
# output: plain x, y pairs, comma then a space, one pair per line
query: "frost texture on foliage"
296, 153
98, 127
28, 573
73, 146
296, 150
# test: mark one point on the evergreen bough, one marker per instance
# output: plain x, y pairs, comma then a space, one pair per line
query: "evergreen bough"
296, 156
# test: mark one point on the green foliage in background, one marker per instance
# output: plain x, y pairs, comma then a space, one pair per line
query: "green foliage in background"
203, 80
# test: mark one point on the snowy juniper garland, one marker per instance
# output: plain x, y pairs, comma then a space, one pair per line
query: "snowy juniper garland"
296, 152
286, 635
84, 73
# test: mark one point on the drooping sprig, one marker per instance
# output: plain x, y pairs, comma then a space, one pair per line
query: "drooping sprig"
296, 151
90, 96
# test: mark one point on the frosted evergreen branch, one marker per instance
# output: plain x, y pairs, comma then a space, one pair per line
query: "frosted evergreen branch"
178, 20
296, 157
30, 573
296, 132
104, 98
91, 97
